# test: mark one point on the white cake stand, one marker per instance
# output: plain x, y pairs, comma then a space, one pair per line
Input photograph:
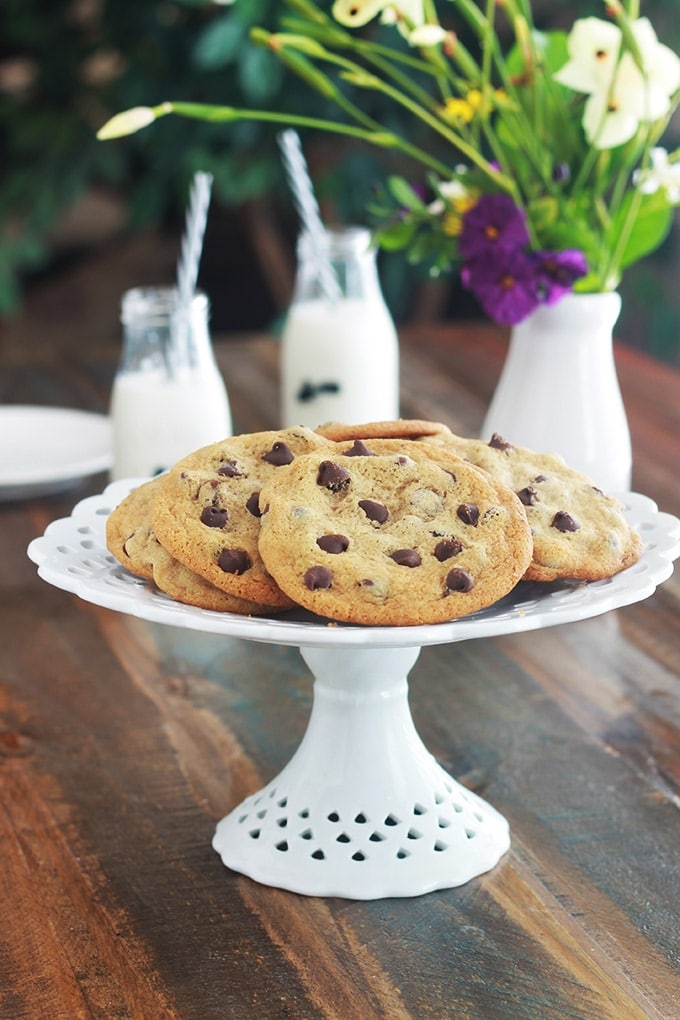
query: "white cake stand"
362, 809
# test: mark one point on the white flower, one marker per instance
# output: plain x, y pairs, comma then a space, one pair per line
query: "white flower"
621, 93
661, 175
427, 35
593, 47
407, 15
449, 192
452, 196
398, 10
354, 13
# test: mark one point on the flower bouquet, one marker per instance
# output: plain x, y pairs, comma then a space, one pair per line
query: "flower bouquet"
544, 174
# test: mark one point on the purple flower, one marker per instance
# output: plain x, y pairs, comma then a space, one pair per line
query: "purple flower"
561, 172
507, 285
494, 224
558, 271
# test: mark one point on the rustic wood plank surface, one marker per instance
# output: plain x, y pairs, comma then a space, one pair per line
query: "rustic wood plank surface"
122, 743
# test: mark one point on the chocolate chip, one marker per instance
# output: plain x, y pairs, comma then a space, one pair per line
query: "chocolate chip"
279, 455
332, 476
359, 449
318, 577
253, 504
214, 516
230, 469
528, 495
564, 522
447, 548
498, 443
406, 557
468, 513
459, 580
332, 543
234, 561
374, 511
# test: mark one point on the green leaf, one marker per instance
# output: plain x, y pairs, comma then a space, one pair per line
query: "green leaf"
651, 226
220, 43
396, 236
544, 212
404, 194
420, 249
258, 75
550, 46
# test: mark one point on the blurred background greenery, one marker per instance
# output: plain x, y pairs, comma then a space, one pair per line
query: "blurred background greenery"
67, 65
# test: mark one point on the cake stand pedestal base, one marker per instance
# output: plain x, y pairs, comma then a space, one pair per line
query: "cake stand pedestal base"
362, 810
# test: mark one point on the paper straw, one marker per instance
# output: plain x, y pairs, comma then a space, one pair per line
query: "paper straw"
194, 234
308, 209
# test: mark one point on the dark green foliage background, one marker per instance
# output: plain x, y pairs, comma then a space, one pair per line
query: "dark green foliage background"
190, 50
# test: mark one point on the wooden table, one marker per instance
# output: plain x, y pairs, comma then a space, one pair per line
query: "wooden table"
122, 743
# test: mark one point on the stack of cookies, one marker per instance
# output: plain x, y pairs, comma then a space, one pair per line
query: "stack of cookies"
389, 523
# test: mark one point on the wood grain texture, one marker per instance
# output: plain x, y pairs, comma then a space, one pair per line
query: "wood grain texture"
122, 743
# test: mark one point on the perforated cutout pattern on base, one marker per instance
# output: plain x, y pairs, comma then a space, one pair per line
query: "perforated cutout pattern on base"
362, 810
358, 853
451, 818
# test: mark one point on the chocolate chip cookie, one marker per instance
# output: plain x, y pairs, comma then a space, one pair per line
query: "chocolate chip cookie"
207, 516
578, 531
128, 530
131, 539
400, 428
391, 538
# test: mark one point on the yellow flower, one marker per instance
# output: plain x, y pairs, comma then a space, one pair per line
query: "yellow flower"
452, 224
463, 110
458, 110
463, 203
455, 199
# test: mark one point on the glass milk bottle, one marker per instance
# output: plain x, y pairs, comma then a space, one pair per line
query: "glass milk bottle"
168, 395
339, 348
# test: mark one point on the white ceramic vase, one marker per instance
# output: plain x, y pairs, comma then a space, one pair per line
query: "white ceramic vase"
559, 391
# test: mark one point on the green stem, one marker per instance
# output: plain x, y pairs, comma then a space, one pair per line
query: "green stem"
488, 39
405, 83
358, 76
619, 195
285, 48
343, 40
229, 114
503, 182
612, 263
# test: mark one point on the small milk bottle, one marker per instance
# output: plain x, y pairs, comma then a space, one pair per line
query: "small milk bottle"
339, 348
168, 395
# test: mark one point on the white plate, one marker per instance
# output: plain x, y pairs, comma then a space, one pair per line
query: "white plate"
46, 449
72, 555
